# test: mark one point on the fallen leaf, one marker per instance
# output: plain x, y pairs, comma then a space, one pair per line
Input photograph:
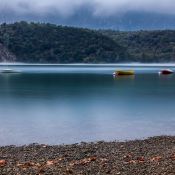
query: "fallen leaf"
156, 159
27, 165
83, 161
132, 161
93, 158
2, 163
141, 159
49, 162
172, 157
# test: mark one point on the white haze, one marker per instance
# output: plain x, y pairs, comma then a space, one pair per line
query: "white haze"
98, 7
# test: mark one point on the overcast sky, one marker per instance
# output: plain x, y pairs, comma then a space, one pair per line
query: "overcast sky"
67, 8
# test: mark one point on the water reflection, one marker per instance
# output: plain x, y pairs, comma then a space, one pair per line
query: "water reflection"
129, 77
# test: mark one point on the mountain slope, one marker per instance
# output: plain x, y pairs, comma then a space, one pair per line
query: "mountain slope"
146, 46
47, 43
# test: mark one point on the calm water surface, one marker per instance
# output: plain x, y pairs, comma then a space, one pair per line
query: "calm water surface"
68, 104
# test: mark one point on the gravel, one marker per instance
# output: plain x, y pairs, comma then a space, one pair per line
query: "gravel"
153, 156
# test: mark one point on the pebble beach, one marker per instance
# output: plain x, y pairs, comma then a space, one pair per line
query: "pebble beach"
152, 156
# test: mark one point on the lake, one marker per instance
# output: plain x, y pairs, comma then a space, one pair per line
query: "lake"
55, 104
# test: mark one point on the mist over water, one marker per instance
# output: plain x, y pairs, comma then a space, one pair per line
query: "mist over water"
68, 104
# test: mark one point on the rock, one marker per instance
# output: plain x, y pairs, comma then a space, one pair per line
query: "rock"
6, 55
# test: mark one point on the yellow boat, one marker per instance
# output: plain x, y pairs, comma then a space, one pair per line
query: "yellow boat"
123, 72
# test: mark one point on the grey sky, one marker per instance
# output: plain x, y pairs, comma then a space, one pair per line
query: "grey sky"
98, 7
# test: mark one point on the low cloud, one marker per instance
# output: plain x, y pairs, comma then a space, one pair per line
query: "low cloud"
67, 8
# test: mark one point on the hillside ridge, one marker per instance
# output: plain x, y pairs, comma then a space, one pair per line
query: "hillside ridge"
48, 43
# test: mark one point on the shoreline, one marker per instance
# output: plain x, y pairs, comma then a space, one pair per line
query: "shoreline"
131, 64
155, 155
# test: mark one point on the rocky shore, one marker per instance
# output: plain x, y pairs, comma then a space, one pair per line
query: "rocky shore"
153, 156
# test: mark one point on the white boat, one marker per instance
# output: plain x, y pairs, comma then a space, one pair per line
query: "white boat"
7, 70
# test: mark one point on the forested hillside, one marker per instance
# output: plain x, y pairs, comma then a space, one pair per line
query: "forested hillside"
146, 46
47, 43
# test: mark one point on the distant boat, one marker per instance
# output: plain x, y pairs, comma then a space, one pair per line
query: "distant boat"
166, 72
7, 70
123, 72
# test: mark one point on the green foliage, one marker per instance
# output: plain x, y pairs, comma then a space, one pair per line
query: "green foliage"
146, 46
47, 43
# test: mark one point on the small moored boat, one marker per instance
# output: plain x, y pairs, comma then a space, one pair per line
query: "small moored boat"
7, 70
123, 72
166, 72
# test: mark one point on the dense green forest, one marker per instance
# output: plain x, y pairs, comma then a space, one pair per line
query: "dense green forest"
146, 46
47, 43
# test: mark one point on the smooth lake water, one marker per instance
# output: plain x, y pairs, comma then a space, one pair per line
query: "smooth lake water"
74, 103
